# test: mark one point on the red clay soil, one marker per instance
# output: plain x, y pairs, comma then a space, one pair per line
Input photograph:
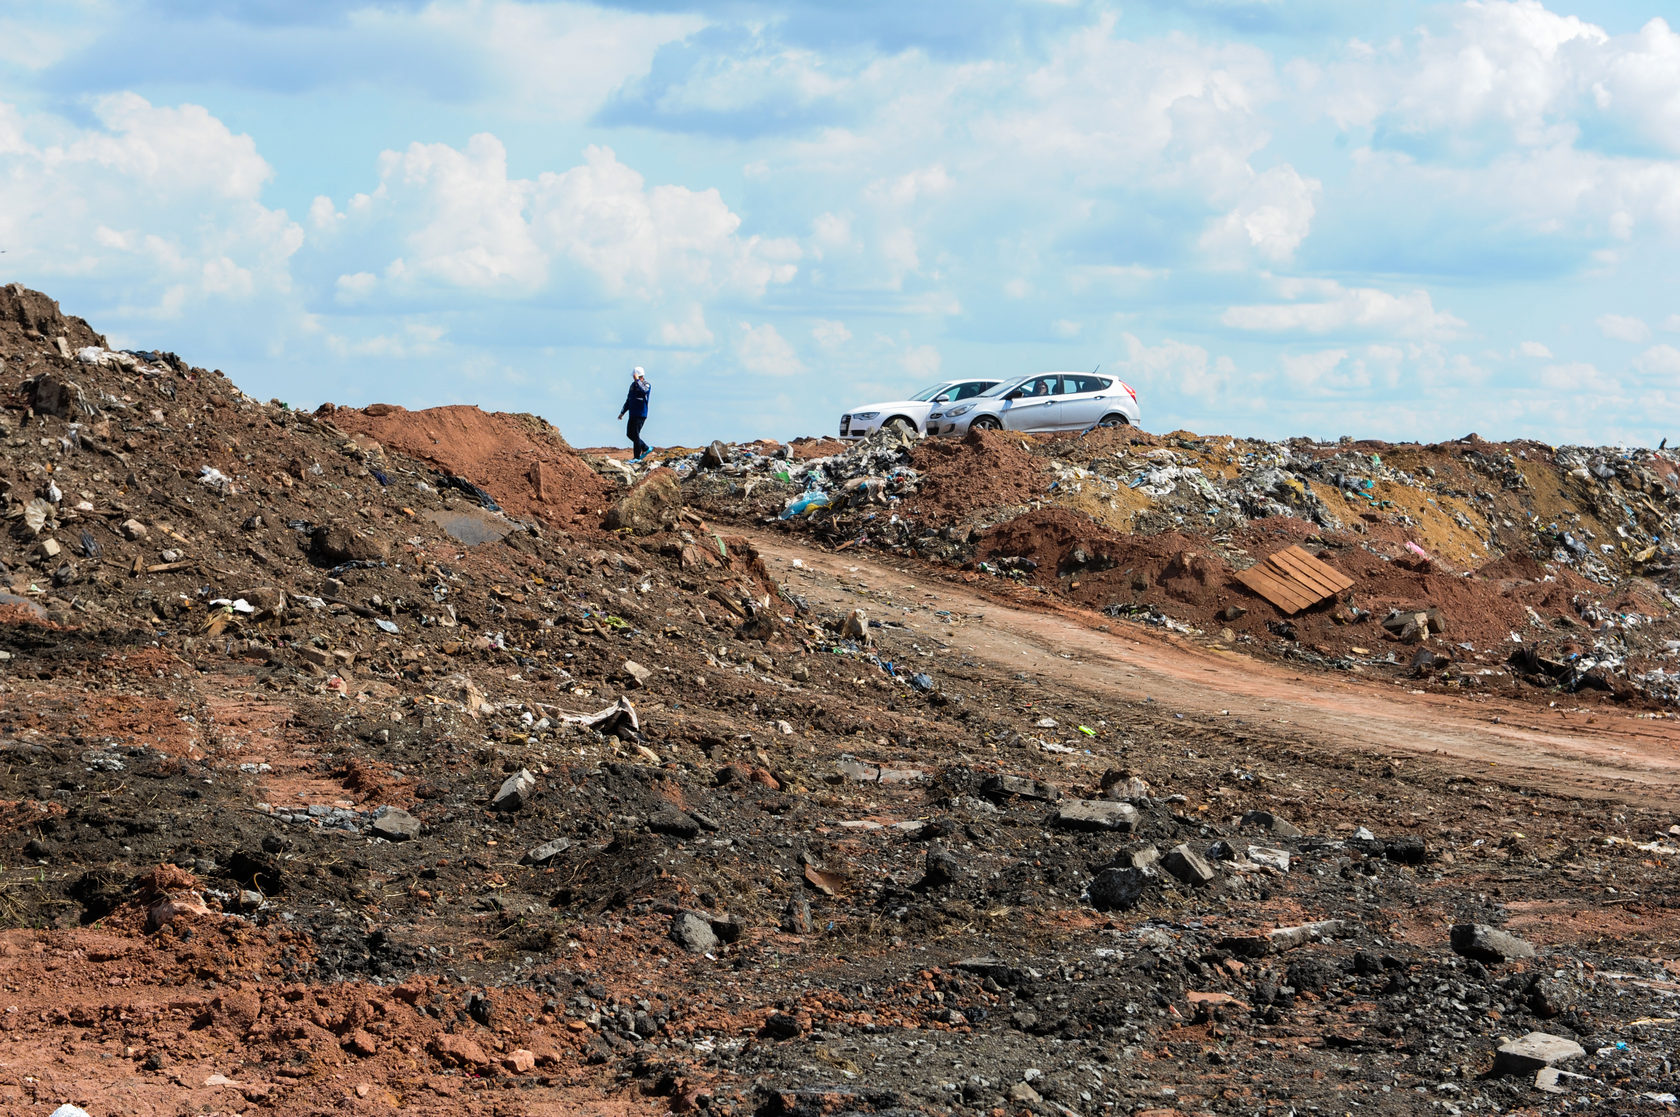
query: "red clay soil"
520, 460
983, 471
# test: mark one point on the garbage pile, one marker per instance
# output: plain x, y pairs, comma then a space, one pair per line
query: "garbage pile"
1418, 527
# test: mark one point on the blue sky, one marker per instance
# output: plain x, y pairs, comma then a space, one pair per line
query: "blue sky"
1273, 217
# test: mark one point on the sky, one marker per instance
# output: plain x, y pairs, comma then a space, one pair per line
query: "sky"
1377, 218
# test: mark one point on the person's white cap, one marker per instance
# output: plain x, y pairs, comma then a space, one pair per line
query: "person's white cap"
637, 371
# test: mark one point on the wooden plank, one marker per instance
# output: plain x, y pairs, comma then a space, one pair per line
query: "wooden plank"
1294, 580
1283, 594
1305, 569
1325, 572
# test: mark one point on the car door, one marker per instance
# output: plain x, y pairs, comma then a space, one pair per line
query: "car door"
1036, 408
1085, 400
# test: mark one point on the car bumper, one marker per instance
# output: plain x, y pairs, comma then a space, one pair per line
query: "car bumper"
948, 428
851, 429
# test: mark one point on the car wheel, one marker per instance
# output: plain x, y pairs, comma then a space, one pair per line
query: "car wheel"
1115, 420
901, 424
986, 423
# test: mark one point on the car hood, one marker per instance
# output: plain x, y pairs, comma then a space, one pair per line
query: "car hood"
893, 405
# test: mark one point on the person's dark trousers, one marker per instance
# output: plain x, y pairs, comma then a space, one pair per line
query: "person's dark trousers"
633, 431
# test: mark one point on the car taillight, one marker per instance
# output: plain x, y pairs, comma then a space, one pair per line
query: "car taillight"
1129, 391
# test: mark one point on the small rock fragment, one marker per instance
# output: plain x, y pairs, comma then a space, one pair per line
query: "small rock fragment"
1096, 814
396, 825
693, 932
547, 852
1188, 865
1266, 820
516, 790
1121, 889
1489, 944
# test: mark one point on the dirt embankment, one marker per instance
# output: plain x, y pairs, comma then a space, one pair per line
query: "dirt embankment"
521, 460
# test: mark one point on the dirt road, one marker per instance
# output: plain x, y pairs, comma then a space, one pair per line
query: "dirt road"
1592, 753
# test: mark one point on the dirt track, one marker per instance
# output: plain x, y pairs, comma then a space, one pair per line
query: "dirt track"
1595, 753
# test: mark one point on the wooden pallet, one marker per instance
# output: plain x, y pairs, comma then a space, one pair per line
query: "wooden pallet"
1293, 580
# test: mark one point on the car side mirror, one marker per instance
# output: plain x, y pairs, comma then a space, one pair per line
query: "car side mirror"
1016, 394
942, 397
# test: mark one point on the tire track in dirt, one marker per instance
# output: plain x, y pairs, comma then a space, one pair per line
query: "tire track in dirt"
1602, 754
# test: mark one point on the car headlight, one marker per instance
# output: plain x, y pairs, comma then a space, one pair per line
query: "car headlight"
864, 415
963, 410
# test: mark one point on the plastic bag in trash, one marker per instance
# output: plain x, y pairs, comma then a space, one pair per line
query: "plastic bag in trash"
806, 502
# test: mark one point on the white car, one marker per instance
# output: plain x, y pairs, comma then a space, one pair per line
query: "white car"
1043, 401
909, 414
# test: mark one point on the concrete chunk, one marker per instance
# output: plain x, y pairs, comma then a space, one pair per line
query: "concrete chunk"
516, 790
1489, 944
1093, 814
1188, 865
1535, 1051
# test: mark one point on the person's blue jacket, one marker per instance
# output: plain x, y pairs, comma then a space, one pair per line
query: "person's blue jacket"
636, 403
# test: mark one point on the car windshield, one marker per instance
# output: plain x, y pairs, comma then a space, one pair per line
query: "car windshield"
1003, 388
927, 394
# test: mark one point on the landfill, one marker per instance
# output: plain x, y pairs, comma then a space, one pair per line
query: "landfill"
362, 760
1552, 567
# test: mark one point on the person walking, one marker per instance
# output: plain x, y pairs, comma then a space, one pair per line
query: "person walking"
636, 406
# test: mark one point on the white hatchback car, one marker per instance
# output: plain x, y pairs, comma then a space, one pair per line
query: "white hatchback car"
1043, 401
910, 414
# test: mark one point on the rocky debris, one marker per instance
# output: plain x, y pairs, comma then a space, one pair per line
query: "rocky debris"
543, 854
694, 933
336, 544
1096, 814
1121, 889
1489, 944
1188, 866
1005, 786
515, 791
1271, 824
396, 825
1535, 1051
655, 503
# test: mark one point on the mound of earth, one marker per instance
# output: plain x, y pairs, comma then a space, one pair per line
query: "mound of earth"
520, 460
984, 471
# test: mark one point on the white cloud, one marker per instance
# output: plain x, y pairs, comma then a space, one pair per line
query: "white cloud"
763, 350
922, 362
463, 222
689, 332
1671, 324
1174, 367
1577, 377
1307, 370
160, 203
1269, 222
1341, 309
1659, 360
830, 334
1065, 328
1622, 327
1534, 349
466, 222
